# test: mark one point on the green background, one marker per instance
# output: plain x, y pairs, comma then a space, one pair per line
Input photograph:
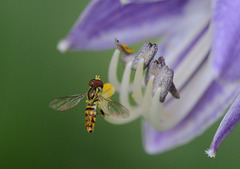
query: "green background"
33, 72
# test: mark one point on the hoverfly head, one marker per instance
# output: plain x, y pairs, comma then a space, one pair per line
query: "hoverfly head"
96, 82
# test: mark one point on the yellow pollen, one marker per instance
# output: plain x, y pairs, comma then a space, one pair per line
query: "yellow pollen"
133, 96
126, 48
167, 115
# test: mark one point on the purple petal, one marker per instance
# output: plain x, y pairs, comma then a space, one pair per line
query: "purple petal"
138, 1
226, 39
228, 123
173, 43
103, 20
209, 108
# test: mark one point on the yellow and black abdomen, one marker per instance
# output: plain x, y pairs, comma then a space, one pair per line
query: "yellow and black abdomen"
90, 114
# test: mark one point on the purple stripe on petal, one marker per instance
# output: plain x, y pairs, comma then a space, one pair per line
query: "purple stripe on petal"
209, 108
191, 45
103, 20
179, 37
228, 123
226, 40
188, 80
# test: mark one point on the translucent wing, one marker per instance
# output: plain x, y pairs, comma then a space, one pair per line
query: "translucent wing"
66, 102
112, 108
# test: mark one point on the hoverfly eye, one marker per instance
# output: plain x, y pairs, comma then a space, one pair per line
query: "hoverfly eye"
91, 82
98, 83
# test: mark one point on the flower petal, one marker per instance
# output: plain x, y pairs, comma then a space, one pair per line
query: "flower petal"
209, 108
103, 20
176, 110
193, 77
226, 40
177, 46
124, 2
228, 123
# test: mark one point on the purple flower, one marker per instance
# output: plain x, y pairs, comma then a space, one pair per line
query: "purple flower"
200, 41
228, 123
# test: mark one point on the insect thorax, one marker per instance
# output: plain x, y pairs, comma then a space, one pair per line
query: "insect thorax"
93, 93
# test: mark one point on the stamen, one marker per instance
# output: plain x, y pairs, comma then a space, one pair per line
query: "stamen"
127, 58
122, 47
161, 61
112, 71
146, 103
173, 90
149, 107
164, 79
137, 88
134, 112
147, 52
153, 69
124, 99
157, 115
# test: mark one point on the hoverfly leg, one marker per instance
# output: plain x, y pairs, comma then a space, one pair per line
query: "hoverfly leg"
102, 113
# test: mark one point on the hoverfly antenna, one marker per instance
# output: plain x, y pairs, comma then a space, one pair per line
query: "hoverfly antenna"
97, 77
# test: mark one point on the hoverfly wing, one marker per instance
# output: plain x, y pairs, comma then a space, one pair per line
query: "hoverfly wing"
113, 108
66, 102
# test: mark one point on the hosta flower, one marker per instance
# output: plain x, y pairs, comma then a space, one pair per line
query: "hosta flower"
228, 123
200, 41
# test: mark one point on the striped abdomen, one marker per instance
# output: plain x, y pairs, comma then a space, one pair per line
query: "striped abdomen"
90, 114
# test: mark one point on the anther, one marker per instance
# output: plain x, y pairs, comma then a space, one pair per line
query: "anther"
122, 47
174, 91
147, 52
154, 67
163, 78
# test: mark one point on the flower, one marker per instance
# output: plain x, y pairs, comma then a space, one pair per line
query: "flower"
200, 42
228, 123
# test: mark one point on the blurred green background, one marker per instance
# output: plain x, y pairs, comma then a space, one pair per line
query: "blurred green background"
33, 72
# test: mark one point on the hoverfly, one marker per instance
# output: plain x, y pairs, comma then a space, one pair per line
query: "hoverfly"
98, 95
